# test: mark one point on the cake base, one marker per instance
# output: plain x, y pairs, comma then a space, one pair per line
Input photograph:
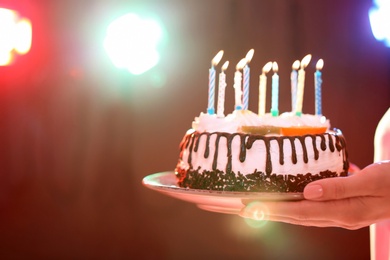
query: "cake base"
255, 182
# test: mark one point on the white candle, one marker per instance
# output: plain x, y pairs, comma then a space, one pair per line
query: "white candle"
301, 84
214, 62
263, 87
275, 91
221, 91
246, 83
317, 86
237, 84
294, 82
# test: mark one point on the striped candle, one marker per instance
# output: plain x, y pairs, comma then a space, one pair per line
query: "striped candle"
294, 83
221, 91
246, 80
214, 62
275, 91
210, 106
263, 88
237, 84
301, 83
318, 86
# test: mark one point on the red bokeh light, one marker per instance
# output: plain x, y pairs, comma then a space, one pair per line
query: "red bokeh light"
23, 65
15, 35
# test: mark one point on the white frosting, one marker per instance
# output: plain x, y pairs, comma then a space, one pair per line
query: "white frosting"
256, 156
234, 121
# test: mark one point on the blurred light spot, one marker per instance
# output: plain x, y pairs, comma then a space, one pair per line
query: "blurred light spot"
23, 36
131, 42
15, 35
5, 58
379, 16
257, 211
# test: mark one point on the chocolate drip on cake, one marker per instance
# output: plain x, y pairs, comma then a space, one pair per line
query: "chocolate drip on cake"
294, 152
246, 142
258, 180
304, 149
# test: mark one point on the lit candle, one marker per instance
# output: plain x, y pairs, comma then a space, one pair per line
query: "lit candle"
301, 84
275, 90
263, 87
294, 82
237, 84
214, 62
221, 90
246, 71
317, 84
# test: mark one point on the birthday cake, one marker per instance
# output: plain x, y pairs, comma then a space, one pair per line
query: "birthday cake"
264, 152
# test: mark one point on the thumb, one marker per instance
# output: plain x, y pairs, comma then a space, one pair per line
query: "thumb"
363, 183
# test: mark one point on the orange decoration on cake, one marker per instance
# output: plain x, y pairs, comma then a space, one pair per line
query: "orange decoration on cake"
302, 130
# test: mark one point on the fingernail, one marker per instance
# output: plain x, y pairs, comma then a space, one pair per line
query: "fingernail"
313, 192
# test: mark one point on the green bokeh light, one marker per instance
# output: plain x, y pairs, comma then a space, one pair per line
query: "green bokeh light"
258, 212
132, 43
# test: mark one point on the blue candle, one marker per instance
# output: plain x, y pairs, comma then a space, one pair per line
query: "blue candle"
318, 86
246, 79
210, 106
245, 97
214, 62
275, 91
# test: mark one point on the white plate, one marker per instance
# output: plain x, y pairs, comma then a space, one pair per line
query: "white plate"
230, 202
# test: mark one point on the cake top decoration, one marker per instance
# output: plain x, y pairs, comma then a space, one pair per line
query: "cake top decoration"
241, 85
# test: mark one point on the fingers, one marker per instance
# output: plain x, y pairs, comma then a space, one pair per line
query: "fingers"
349, 202
314, 223
335, 189
363, 183
345, 213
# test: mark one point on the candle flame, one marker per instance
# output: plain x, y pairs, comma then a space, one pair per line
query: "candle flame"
217, 58
320, 64
267, 67
305, 61
241, 64
249, 55
275, 67
296, 65
225, 65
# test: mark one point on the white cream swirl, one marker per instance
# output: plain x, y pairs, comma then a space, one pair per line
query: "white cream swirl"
234, 121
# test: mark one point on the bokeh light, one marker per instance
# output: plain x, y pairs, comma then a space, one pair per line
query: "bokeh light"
132, 43
15, 35
379, 16
258, 211
23, 36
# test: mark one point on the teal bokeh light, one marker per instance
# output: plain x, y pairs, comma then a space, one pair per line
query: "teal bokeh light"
132, 42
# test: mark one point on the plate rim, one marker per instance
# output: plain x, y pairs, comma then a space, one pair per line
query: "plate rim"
146, 181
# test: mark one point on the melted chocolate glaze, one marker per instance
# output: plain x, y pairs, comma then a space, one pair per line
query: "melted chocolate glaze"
267, 181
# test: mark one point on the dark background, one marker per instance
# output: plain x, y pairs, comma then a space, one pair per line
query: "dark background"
77, 135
